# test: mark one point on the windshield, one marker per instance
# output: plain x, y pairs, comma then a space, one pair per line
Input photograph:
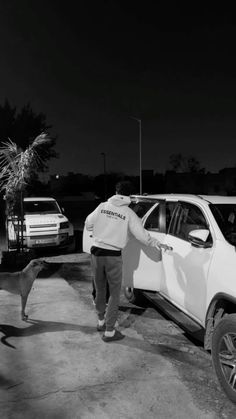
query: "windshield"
225, 215
41, 207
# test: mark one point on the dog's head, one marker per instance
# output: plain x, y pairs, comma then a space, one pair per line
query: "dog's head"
39, 264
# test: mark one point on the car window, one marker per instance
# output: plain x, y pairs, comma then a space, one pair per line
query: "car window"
152, 222
225, 215
189, 217
41, 207
141, 207
170, 208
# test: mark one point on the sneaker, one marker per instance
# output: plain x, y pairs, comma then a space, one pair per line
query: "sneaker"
116, 336
101, 328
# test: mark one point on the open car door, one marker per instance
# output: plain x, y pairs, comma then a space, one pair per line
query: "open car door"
142, 265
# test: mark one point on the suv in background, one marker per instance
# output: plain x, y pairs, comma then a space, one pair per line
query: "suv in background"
45, 225
195, 281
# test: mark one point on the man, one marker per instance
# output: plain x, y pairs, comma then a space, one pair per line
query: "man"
94, 292
111, 222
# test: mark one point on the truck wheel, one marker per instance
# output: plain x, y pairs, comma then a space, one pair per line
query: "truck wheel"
224, 354
134, 296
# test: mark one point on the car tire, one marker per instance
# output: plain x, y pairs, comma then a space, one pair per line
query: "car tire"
134, 296
224, 354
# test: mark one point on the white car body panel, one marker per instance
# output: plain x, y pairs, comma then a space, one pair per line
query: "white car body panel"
142, 265
222, 275
186, 275
87, 240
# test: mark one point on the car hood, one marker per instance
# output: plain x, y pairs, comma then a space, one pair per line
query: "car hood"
45, 218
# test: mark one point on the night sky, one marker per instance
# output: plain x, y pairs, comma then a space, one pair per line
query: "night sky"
90, 66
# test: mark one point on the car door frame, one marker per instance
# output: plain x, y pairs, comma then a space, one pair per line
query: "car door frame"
142, 264
172, 239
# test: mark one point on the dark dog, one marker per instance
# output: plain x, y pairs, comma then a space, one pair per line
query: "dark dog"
21, 282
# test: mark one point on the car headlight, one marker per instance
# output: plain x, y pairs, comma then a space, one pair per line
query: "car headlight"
65, 224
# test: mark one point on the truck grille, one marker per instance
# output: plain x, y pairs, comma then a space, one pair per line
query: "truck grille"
42, 225
49, 236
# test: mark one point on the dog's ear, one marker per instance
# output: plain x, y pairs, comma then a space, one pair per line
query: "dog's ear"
37, 262
34, 261
46, 263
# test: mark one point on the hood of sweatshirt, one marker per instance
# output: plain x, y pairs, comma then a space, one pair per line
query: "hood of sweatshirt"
119, 200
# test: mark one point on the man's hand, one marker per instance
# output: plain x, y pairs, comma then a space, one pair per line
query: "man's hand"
165, 247
155, 243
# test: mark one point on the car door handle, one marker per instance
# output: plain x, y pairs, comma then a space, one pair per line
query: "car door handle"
166, 247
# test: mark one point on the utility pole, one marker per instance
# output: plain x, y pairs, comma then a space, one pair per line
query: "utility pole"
140, 153
105, 175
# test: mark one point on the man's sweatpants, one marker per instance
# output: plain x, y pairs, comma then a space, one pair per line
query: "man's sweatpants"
107, 268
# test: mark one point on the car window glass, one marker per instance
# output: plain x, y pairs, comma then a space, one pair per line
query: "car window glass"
225, 215
41, 207
189, 217
170, 208
141, 207
152, 222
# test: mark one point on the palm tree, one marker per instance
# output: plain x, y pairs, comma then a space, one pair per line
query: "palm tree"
16, 168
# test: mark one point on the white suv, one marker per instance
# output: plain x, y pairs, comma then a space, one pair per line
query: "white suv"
197, 278
45, 225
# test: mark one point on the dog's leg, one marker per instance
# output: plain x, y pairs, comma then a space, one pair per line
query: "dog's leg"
27, 278
23, 304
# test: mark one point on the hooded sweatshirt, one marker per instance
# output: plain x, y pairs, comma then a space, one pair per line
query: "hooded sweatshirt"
112, 221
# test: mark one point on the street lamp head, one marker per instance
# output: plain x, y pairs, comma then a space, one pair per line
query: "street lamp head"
136, 119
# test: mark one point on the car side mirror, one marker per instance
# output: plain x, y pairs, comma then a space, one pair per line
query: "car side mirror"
198, 238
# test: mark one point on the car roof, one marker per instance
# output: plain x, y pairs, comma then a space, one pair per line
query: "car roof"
36, 198
213, 199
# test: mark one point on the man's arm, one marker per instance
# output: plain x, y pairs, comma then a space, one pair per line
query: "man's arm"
139, 232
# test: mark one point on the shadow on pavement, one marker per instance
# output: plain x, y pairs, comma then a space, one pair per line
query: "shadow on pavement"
5, 382
40, 326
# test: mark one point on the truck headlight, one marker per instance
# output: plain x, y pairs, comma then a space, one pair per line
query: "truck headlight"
63, 225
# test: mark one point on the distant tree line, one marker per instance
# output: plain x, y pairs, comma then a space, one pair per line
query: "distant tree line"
23, 125
103, 185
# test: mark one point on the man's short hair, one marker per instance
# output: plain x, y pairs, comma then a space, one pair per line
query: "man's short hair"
125, 188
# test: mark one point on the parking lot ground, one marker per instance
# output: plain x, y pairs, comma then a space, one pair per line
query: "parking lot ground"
57, 366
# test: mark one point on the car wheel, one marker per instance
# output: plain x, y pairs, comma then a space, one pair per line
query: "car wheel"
133, 295
224, 354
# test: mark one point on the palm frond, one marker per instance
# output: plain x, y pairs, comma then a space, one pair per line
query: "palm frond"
9, 148
16, 166
40, 140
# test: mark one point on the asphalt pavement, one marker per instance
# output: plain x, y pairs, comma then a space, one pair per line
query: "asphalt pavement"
57, 366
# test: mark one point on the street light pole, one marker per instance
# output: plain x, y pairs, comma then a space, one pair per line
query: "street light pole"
105, 175
140, 153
